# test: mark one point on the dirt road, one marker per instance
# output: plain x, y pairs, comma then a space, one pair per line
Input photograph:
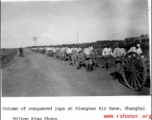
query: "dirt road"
40, 75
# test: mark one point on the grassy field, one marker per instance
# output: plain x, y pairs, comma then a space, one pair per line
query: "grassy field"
6, 56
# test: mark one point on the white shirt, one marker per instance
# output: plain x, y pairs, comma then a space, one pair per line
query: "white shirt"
136, 50
54, 50
73, 49
79, 49
47, 49
119, 52
107, 51
91, 48
69, 50
87, 51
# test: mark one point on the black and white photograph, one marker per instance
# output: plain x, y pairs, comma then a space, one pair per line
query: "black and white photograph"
75, 48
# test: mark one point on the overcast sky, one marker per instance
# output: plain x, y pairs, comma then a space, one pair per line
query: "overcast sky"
57, 22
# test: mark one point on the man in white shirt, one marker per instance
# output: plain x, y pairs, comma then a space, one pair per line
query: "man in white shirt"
107, 52
54, 52
118, 53
50, 51
87, 51
46, 50
95, 63
58, 49
79, 50
43, 50
40, 49
69, 53
73, 49
63, 53
88, 56
136, 49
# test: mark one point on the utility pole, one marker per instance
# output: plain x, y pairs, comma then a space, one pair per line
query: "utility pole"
77, 36
35, 39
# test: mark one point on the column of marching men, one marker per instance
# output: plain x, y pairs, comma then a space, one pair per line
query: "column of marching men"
68, 53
